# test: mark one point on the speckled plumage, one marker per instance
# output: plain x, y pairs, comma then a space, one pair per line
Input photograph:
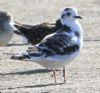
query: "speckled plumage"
61, 47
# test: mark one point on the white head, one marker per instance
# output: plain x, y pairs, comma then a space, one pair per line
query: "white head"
70, 15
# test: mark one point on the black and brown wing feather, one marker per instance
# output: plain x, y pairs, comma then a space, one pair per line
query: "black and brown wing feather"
58, 44
36, 33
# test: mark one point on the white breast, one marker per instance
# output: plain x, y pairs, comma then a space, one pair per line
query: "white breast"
56, 61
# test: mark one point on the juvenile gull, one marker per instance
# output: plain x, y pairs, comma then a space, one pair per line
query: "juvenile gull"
60, 47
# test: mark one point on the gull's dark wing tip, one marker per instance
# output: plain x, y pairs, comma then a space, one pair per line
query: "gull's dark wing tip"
16, 57
21, 57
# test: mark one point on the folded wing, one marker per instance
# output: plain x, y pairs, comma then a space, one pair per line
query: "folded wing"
58, 43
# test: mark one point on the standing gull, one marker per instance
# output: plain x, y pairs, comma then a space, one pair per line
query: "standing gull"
6, 28
61, 47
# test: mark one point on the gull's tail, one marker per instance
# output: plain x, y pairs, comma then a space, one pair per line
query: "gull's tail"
23, 28
26, 56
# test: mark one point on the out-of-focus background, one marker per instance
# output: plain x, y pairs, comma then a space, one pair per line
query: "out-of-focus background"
83, 74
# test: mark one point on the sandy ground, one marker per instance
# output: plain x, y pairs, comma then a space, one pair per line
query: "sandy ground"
83, 74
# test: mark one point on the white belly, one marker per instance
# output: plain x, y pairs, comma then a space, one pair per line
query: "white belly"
56, 61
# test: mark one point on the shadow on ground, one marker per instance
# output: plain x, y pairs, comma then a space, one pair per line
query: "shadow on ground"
36, 71
37, 86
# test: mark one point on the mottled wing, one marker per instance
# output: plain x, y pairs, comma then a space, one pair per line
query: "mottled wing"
59, 43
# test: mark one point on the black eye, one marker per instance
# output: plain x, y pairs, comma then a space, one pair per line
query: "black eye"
68, 14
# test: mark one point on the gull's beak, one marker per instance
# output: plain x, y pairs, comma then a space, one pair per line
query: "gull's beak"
79, 17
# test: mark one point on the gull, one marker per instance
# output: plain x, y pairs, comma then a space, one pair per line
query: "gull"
61, 47
6, 28
33, 34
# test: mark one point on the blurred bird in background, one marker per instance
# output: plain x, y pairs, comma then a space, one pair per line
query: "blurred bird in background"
6, 28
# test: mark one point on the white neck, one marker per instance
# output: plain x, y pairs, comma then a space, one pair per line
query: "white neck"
75, 26
67, 22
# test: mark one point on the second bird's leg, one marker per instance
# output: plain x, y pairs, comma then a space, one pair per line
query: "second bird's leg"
54, 74
64, 74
